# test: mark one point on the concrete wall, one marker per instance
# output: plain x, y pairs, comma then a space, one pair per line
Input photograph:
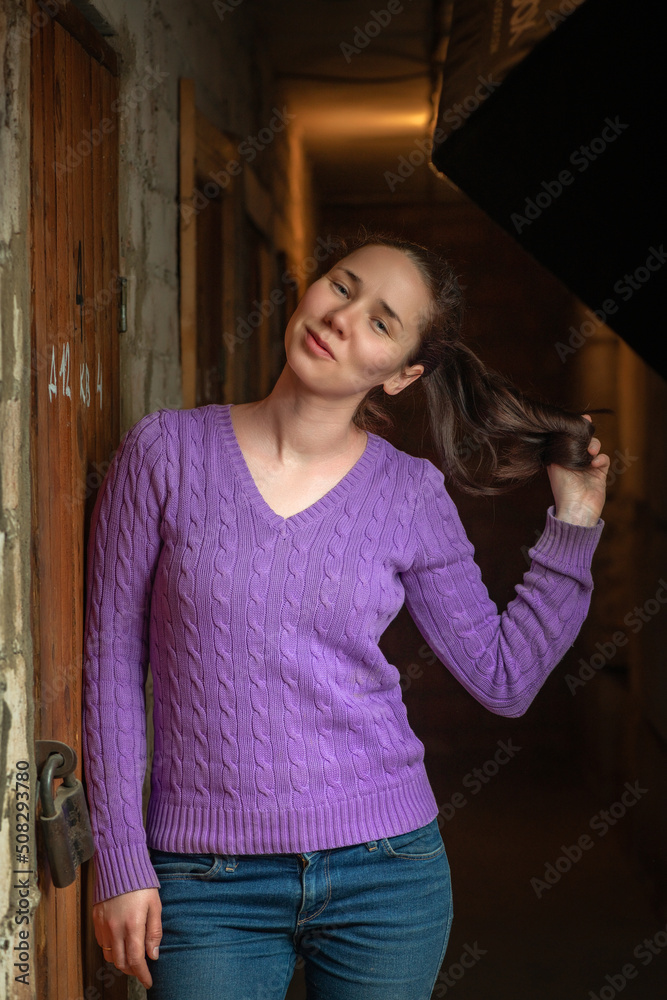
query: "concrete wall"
234, 89
157, 44
16, 738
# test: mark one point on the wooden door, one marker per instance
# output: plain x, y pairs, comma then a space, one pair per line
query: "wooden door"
210, 217
74, 424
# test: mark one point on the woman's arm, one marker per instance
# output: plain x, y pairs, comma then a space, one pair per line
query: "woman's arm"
123, 550
502, 659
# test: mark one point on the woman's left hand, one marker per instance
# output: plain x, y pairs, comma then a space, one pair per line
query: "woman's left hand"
579, 494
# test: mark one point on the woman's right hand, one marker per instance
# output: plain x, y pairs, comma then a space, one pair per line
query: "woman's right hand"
128, 927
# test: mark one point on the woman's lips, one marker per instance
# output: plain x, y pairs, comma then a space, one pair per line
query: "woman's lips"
316, 346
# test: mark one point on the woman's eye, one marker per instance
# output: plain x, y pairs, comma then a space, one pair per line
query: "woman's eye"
340, 287
381, 326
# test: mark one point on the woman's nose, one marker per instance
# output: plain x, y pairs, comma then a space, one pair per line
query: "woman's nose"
340, 319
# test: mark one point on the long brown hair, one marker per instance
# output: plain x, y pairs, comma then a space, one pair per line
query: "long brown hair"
474, 413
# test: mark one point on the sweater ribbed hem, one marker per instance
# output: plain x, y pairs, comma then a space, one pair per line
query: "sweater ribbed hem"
124, 869
385, 812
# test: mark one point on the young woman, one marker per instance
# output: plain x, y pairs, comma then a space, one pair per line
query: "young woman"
254, 554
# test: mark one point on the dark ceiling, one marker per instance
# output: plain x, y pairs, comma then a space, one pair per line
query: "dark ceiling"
364, 83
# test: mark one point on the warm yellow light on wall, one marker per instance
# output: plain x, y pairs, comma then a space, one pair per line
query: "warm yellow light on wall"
360, 121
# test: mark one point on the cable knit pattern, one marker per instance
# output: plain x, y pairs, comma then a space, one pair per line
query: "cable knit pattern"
279, 724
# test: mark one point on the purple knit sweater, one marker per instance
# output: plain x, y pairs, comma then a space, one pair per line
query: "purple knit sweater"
279, 724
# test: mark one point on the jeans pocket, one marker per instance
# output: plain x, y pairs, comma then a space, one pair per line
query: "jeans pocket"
173, 865
421, 844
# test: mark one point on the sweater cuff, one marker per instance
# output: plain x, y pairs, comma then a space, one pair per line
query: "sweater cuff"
123, 869
563, 544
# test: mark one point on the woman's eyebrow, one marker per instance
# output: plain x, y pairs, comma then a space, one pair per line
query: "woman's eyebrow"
386, 308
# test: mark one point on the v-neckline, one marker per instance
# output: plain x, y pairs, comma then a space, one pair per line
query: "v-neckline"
316, 509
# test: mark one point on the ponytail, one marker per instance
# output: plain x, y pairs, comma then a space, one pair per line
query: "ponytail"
488, 436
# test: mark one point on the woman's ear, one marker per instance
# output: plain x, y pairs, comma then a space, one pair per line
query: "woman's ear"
397, 383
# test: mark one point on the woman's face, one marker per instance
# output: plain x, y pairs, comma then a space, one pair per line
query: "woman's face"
367, 311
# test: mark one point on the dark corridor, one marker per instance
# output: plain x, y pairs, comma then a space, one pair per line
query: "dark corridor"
558, 853
542, 923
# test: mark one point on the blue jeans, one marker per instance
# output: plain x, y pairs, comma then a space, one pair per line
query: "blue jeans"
369, 922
